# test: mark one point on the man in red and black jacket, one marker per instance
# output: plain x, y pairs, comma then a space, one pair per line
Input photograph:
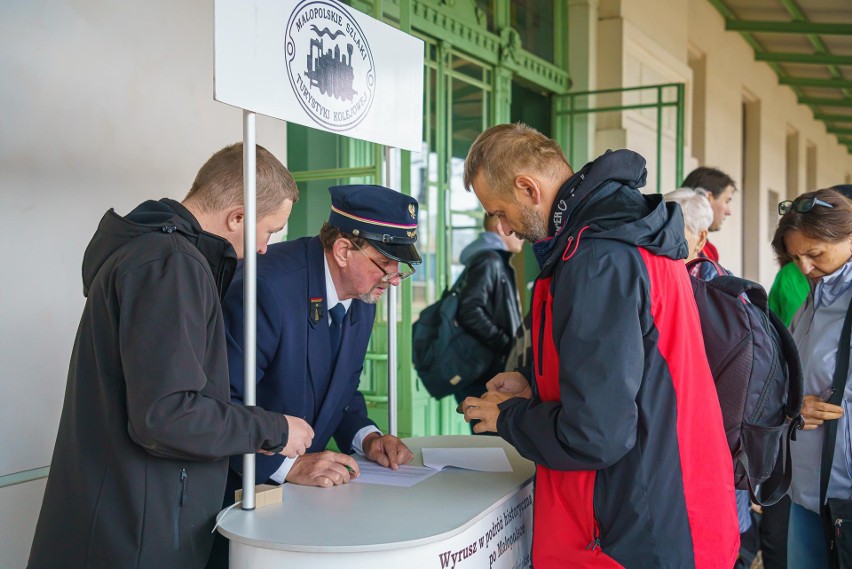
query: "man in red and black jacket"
621, 416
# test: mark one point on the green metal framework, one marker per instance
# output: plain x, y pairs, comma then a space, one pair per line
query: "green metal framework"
576, 106
820, 55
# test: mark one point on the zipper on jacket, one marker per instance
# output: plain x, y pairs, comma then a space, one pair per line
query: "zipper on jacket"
838, 526
596, 537
595, 543
181, 502
541, 338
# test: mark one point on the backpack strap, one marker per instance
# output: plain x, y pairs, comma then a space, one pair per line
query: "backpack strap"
838, 386
796, 382
698, 260
460, 283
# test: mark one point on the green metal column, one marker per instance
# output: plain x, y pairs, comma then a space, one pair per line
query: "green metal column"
442, 258
502, 95
405, 377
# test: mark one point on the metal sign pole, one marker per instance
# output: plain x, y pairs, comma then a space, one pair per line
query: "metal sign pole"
392, 351
249, 288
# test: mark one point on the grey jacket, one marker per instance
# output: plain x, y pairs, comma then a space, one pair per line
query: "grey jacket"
816, 329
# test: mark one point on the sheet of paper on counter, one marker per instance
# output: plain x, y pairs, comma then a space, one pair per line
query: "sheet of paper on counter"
488, 459
405, 477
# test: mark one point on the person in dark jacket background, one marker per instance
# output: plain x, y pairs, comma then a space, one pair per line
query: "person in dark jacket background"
489, 309
147, 426
621, 414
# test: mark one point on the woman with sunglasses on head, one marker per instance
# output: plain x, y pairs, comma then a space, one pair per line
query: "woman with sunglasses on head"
815, 231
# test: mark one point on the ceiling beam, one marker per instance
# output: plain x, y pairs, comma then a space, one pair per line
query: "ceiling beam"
812, 82
832, 118
788, 27
817, 42
806, 58
817, 102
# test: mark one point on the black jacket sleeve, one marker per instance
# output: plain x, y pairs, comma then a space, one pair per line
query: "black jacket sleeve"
476, 302
168, 308
598, 336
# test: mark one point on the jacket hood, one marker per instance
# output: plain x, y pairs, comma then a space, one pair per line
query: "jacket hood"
603, 200
487, 241
166, 216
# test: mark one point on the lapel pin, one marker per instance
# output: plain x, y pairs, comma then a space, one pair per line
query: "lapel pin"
316, 309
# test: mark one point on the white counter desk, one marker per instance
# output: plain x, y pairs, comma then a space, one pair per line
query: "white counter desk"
456, 518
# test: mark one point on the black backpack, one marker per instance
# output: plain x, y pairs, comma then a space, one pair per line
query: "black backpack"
445, 356
758, 377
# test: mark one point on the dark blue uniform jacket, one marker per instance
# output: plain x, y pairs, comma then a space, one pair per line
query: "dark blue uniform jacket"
295, 372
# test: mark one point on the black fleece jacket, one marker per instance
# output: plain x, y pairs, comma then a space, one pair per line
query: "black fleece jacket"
140, 461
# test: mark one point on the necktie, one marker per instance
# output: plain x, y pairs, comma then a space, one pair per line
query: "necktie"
337, 312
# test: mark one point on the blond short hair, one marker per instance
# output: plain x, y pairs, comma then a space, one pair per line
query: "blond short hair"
506, 150
219, 183
697, 211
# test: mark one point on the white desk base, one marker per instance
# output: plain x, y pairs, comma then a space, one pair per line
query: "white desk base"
455, 519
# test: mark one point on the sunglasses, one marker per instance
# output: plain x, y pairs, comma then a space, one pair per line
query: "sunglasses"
800, 205
386, 276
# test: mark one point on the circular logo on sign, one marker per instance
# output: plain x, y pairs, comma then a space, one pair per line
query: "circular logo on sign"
330, 64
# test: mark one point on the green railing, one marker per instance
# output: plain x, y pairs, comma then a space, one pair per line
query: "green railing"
577, 106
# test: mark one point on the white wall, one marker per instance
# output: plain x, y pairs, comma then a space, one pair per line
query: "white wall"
104, 104
643, 42
731, 70
19, 505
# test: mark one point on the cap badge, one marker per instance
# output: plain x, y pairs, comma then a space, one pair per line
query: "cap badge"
411, 212
411, 234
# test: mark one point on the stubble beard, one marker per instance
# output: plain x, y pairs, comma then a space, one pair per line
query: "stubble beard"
533, 227
368, 297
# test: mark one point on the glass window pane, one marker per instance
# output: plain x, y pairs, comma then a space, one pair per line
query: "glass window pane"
469, 111
487, 6
534, 21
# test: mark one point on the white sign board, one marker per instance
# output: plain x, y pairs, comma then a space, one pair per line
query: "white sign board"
320, 64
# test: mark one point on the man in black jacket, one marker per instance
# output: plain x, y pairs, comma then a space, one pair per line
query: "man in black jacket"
140, 461
488, 300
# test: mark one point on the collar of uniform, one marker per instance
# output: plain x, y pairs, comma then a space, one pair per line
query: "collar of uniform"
830, 287
331, 292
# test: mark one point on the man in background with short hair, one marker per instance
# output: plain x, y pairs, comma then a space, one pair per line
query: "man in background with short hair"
720, 191
147, 425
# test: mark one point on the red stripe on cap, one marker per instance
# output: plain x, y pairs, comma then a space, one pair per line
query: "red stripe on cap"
372, 221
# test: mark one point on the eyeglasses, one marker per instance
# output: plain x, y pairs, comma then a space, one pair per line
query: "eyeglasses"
801, 205
386, 276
